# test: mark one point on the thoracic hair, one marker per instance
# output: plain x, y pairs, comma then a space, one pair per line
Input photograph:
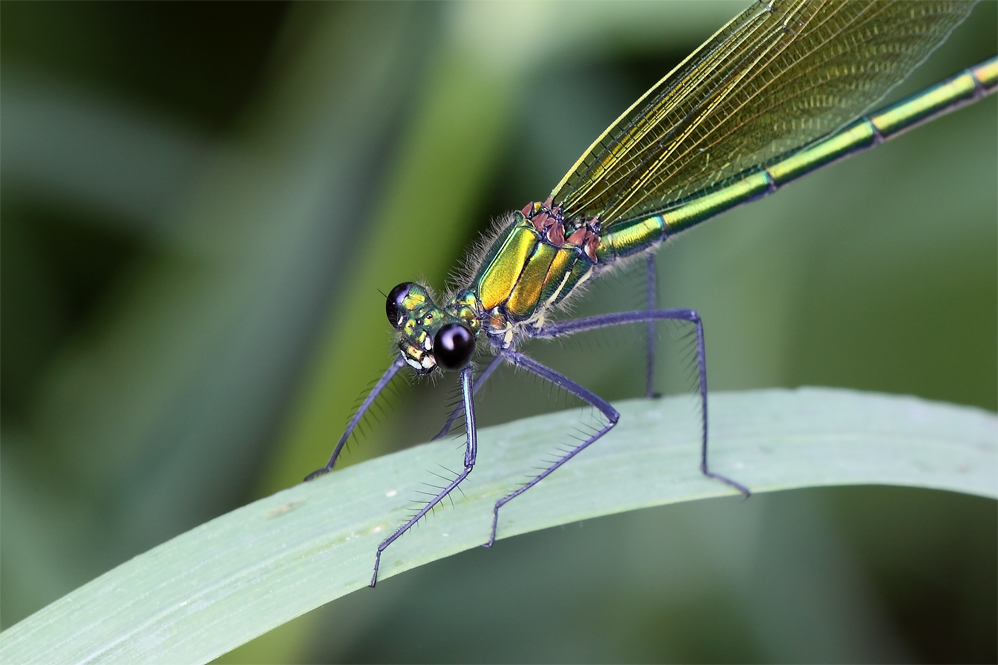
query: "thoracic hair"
462, 276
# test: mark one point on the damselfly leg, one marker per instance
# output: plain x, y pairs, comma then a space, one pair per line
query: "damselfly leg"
470, 453
604, 320
481, 379
358, 416
651, 284
557, 379
578, 325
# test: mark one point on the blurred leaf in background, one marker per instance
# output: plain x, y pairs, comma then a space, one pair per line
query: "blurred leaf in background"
153, 404
201, 202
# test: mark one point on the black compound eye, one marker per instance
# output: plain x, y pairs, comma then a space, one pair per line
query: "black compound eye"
453, 345
393, 307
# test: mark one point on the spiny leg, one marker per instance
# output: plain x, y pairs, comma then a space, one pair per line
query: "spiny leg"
561, 381
352, 425
604, 320
470, 453
486, 373
651, 280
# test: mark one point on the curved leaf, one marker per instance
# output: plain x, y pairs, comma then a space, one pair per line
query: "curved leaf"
244, 573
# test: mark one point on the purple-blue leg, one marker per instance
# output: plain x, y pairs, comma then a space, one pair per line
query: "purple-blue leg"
651, 278
602, 321
352, 425
486, 373
470, 453
557, 379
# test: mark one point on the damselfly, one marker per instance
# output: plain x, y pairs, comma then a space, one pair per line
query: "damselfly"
772, 96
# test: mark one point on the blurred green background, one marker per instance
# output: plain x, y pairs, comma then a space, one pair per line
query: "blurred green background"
201, 203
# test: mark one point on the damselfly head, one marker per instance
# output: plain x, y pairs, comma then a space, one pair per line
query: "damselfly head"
429, 336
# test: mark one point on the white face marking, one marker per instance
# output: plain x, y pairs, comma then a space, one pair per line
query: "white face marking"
428, 362
412, 363
427, 343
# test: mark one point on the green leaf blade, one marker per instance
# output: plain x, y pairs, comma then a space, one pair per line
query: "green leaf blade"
246, 572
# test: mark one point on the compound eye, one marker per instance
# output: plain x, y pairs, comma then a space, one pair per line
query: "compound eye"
453, 346
393, 307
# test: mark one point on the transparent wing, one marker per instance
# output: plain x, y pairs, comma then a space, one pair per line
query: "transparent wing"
778, 76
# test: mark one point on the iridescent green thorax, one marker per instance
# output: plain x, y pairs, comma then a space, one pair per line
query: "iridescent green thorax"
531, 267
